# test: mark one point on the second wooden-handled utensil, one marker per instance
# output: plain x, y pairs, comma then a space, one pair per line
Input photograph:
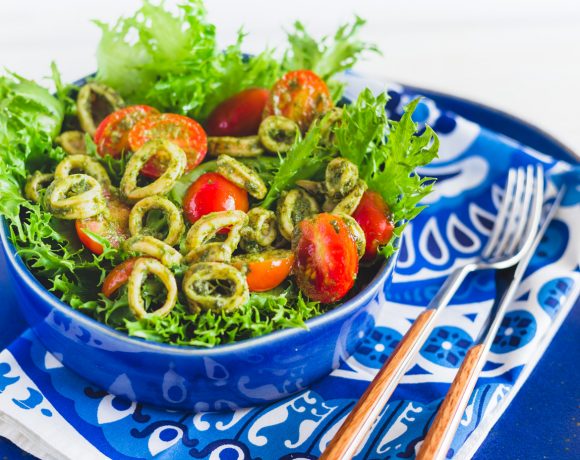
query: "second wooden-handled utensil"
512, 236
442, 430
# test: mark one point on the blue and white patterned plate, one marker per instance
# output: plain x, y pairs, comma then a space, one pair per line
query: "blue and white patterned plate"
48, 410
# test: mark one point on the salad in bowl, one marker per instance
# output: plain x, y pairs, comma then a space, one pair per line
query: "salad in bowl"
196, 198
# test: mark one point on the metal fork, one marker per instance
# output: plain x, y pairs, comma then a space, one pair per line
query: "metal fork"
442, 431
511, 237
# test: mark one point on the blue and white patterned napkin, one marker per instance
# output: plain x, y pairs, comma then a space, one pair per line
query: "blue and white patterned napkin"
52, 413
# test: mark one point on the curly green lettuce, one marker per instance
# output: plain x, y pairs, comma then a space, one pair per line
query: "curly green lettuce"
387, 154
305, 160
176, 64
327, 57
29, 118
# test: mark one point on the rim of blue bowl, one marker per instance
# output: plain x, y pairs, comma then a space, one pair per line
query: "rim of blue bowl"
365, 295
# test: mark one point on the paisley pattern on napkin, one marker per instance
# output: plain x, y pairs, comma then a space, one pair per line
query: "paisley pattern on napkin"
75, 418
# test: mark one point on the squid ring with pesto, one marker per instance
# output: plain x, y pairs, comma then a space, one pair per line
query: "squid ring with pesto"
197, 240
77, 196
72, 142
138, 275
150, 246
209, 252
351, 201
341, 177
241, 147
241, 175
86, 164
260, 231
88, 95
294, 206
172, 214
215, 286
278, 134
176, 163
34, 184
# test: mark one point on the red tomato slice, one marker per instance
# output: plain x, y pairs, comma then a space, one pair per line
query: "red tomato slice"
114, 227
300, 95
265, 270
326, 259
212, 192
373, 215
240, 115
112, 133
118, 276
182, 131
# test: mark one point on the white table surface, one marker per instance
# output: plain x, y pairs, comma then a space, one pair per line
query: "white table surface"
522, 56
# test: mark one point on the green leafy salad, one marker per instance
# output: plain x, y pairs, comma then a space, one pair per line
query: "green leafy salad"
193, 195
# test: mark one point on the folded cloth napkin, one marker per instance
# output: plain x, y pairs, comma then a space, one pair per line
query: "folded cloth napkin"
52, 413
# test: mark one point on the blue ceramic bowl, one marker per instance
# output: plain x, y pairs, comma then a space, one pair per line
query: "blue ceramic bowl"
246, 373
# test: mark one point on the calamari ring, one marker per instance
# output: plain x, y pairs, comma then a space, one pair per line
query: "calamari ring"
150, 246
88, 94
72, 142
241, 175
172, 214
203, 282
294, 206
340, 178
138, 276
241, 147
77, 196
34, 184
351, 201
210, 252
86, 164
278, 134
260, 231
176, 163
206, 228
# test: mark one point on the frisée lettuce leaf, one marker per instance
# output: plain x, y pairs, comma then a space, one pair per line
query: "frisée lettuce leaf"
304, 160
29, 118
387, 153
171, 60
327, 57
174, 63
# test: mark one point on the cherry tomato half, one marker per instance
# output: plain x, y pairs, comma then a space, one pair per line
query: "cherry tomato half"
114, 227
373, 215
240, 115
118, 276
300, 95
182, 131
212, 192
111, 136
326, 259
265, 270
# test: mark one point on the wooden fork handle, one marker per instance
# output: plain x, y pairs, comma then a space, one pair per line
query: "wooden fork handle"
364, 414
440, 435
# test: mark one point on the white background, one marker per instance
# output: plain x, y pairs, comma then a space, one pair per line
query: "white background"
522, 56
